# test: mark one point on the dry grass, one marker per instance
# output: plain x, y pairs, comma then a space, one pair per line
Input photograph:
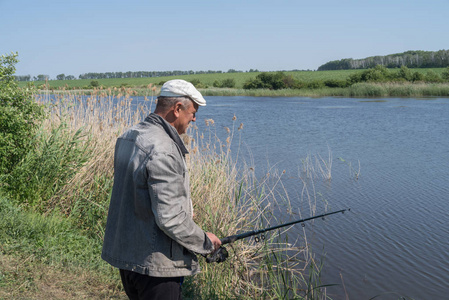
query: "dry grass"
103, 115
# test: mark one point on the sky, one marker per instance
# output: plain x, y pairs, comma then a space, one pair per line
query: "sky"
75, 37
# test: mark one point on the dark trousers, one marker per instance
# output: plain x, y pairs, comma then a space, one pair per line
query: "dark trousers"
139, 287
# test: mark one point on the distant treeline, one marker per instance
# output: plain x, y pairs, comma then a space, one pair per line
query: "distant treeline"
142, 74
410, 59
129, 74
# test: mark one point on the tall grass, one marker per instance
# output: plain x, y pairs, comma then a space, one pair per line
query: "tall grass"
229, 199
397, 90
77, 142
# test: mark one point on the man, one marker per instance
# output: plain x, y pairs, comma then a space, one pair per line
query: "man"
150, 234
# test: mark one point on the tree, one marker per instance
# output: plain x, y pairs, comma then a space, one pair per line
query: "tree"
20, 116
42, 77
411, 59
60, 77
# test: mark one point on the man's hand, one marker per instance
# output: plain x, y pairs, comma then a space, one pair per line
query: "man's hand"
215, 241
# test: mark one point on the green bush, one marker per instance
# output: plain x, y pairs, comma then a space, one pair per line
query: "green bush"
336, 83
445, 74
272, 81
378, 74
20, 116
316, 84
405, 73
431, 76
255, 83
54, 158
198, 84
226, 83
382, 74
417, 76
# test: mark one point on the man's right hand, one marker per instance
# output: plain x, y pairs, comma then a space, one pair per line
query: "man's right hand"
215, 240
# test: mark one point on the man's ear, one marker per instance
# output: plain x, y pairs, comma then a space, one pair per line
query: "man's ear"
177, 109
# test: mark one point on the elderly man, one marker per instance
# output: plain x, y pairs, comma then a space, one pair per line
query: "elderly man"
150, 234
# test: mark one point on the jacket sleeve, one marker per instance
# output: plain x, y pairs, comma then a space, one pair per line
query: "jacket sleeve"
170, 202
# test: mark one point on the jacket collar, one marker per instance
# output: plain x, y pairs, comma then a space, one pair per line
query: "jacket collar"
169, 129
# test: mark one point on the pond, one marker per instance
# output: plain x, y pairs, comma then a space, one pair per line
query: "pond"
390, 165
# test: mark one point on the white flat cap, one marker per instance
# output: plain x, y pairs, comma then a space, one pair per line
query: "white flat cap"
182, 88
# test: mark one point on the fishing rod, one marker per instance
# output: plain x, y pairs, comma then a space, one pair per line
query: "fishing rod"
221, 254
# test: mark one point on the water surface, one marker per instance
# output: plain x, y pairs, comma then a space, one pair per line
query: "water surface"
395, 241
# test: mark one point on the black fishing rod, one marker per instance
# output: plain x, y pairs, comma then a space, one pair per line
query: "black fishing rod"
221, 254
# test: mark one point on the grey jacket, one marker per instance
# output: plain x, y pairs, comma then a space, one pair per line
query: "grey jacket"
150, 229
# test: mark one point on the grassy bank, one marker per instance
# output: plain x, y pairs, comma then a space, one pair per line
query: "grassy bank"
58, 195
47, 257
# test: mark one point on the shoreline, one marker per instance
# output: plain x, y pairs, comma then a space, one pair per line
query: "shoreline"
358, 90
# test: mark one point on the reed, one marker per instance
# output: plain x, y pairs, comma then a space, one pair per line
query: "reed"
229, 199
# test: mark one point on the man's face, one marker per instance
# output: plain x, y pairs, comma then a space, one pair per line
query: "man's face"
185, 116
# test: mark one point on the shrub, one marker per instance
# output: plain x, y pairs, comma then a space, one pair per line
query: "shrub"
198, 84
229, 83
355, 78
335, 83
316, 84
445, 74
377, 74
272, 81
431, 76
405, 73
417, 76
291, 82
20, 116
216, 83
275, 81
52, 161
226, 83
94, 83
255, 84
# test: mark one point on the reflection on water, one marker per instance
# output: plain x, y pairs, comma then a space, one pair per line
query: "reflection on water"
395, 240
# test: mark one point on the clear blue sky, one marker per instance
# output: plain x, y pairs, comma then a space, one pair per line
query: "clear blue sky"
75, 37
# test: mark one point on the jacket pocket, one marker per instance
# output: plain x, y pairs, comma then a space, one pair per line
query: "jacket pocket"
180, 256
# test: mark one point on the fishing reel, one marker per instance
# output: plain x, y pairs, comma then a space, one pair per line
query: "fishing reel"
218, 256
